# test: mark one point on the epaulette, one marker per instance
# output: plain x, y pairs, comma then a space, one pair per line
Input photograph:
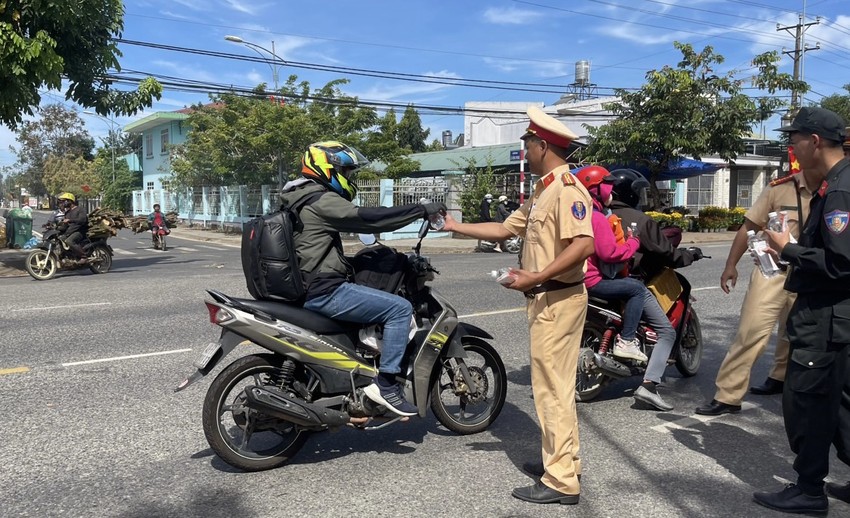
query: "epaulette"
568, 179
784, 179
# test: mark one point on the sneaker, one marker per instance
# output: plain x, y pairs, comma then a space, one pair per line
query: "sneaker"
651, 397
629, 349
390, 397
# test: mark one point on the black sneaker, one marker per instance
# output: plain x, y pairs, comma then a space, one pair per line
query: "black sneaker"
391, 397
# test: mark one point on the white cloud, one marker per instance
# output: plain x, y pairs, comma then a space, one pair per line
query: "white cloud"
511, 16
196, 5
244, 7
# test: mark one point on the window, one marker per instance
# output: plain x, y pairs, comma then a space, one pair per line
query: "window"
163, 142
745, 189
148, 145
164, 184
150, 186
700, 191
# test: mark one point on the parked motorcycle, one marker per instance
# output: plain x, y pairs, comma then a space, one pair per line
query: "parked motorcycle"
260, 409
52, 255
512, 245
597, 364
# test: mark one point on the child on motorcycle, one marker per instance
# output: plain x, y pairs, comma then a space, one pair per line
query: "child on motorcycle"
156, 220
638, 299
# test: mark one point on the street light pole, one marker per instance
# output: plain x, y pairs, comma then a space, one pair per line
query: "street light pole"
257, 48
111, 137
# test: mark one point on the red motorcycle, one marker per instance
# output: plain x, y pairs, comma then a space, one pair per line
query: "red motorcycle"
597, 365
158, 236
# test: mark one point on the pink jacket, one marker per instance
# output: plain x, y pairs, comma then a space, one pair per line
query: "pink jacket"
606, 248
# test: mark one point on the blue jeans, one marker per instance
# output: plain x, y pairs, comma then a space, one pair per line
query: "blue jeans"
633, 292
658, 321
354, 303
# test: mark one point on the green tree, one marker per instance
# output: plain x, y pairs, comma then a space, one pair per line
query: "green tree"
477, 182
410, 133
688, 110
72, 174
838, 103
43, 43
59, 133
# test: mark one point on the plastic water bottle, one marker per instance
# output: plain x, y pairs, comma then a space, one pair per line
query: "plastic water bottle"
503, 276
435, 221
776, 221
757, 246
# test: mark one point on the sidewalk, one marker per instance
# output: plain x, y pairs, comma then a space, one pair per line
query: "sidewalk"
12, 261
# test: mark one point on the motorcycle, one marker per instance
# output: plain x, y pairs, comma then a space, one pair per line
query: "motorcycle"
597, 365
158, 236
260, 409
511, 245
52, 254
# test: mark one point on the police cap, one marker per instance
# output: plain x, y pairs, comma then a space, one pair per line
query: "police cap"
548, 128
818, 121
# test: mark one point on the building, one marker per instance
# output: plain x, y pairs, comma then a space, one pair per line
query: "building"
159, 131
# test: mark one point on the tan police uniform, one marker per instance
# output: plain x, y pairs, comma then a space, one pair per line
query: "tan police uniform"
766, 302
558, 211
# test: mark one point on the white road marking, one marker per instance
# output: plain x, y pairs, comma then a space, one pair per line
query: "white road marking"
123, 252
213, 248
707, 288
130, 357
187, 249
40, 308
488, 313
692, 420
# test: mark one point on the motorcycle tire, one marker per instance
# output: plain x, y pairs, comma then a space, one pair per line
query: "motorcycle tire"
689, 349
41, 265
513, 245
224, 412
491, 379
589, 385
100, 260
162, 245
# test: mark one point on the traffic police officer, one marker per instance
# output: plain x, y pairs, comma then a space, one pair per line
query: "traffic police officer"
765, 302
817, 383
558, 238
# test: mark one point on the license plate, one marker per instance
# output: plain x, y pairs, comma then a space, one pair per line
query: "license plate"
208, 354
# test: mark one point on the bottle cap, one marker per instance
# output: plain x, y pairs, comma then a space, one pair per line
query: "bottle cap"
751, 232
772, 214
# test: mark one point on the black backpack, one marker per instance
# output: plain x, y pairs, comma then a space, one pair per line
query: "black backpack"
269, 259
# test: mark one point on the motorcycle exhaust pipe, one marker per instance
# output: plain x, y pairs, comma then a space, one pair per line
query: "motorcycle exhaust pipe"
611, 367
277, 404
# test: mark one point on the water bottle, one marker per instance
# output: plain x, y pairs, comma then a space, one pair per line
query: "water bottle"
503, 276
435, 221
757, 246
776, 221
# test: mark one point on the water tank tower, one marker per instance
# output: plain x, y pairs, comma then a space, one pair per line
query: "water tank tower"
582, 72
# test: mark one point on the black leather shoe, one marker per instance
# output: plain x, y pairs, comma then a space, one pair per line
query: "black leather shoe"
792, 500
768, 388
540, 493
718, 408
534, 468
839, 491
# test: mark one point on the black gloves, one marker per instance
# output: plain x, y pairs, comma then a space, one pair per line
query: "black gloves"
434, 208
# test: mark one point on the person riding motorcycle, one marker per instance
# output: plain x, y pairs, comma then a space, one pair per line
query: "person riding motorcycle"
656, 251
638, 299
156, 220
328, 170
76, 223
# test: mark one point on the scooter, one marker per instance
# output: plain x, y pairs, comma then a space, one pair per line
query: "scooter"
259, 411
512, 245
597, 364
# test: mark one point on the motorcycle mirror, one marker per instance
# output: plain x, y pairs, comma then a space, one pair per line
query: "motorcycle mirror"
423, 230
367, 239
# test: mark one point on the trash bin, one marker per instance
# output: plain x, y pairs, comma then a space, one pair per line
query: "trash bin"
18, 228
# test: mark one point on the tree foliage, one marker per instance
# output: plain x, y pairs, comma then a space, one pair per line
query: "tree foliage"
410, 133
477, 182
688, 110
250, 140
72, 174
42, 43
839, 103
59, 133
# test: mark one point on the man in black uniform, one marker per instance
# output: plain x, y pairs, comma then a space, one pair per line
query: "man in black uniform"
816, 397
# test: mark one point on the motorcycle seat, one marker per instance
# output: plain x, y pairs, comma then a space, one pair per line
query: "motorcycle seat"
300, 317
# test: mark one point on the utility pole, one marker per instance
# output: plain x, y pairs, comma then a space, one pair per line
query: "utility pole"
800, 48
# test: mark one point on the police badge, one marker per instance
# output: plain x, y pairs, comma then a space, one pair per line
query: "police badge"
836, 221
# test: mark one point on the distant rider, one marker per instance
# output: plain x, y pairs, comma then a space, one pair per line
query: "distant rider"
328, 170
76, 224
156, 220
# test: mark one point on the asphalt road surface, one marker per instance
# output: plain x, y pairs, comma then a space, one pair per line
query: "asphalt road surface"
92, 427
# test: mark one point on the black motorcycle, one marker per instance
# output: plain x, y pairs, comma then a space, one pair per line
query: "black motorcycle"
52, 254
260, 409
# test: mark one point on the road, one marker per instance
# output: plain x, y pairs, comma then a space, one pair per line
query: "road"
88, 364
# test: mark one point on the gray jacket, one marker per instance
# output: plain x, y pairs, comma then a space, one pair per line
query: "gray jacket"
319, 246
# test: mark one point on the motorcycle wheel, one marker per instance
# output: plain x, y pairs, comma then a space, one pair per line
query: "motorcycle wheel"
513, 245
41, 265
589, 383
162, 245
101, 260
689, 351
242, 437
454, 407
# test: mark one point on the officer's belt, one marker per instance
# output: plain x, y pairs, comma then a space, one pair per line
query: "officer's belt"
551, 285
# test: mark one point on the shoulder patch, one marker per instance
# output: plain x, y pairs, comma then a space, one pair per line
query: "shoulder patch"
784, 179
579, 210
568, 179
836, 221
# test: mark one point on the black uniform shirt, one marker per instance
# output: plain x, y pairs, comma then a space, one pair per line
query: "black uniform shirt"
821, 261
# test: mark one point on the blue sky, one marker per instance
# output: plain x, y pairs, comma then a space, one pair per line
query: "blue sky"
506, 40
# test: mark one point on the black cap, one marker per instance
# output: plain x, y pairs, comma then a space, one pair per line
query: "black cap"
819, 121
